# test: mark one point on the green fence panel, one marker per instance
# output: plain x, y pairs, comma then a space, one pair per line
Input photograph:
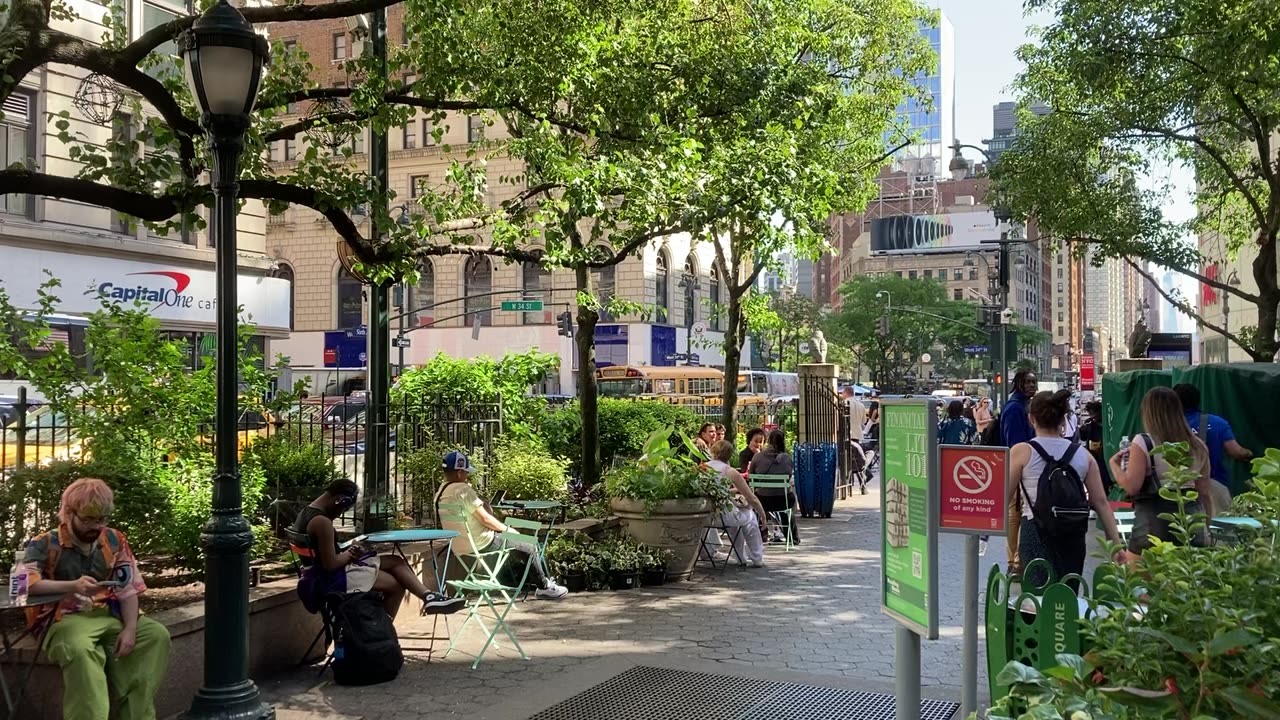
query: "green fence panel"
1246, 395
1122, 395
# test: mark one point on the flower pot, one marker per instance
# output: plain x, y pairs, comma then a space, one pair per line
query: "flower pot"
623, 580
575, 583
675, 525
653, 577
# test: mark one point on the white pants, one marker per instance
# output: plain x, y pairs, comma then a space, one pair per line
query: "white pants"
747, 541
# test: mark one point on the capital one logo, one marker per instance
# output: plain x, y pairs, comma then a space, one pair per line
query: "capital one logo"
168, 292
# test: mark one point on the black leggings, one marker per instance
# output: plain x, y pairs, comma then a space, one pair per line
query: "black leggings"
778, 503
1066, 555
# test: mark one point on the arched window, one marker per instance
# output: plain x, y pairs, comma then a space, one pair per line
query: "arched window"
537, 286
604, 284
477, 279
285, 272
423, 295
662, 289
690, 283
350, 301
715, 297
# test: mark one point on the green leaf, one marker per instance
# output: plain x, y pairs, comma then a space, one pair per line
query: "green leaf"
1017, 673
1179, 644
1249, 705
1231, 640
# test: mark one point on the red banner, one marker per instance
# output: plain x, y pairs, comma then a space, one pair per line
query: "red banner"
972, 488
1087, 376
331, 356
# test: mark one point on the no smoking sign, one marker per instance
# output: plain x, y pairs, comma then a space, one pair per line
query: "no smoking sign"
972, 489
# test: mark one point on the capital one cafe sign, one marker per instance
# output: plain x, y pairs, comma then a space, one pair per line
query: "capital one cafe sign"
166, 291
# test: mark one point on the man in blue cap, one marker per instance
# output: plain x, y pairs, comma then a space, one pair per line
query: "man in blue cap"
480, 530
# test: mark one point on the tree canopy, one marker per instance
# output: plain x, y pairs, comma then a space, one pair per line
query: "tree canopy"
1136, 87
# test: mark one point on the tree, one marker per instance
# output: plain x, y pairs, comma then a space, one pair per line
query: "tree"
1135, 86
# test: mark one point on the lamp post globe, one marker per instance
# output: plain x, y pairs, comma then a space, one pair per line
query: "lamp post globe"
224, 59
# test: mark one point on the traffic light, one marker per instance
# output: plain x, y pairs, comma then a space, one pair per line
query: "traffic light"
566, 323
883, 329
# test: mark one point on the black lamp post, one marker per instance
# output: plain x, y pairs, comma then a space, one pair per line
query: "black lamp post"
224, 59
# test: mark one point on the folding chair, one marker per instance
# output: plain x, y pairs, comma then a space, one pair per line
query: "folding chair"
707, 552
299, 548
485, 580
784, 518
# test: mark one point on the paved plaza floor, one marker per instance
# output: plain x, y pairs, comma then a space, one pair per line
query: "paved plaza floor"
811, 616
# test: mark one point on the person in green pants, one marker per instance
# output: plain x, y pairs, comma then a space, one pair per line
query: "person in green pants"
108, 653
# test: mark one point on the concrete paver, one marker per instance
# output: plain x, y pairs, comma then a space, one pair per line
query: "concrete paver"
812, 615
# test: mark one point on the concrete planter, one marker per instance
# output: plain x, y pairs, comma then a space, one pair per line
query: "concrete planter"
675, 525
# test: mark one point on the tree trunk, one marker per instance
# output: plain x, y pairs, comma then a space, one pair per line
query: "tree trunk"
1264, 273
734, 336
588, 398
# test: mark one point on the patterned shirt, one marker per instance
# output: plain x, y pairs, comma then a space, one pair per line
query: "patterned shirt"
109, 558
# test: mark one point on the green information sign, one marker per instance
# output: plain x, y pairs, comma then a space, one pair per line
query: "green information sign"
909, 513
522, 305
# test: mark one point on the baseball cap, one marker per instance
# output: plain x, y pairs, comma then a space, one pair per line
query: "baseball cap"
457, 460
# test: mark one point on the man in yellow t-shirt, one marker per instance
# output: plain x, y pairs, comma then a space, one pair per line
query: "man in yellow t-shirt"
478, 529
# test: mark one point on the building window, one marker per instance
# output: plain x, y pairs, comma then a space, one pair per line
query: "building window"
928, 274
285, 272
17, 145
715, 297
423, 295
1059, 287
973, 273
428, 133
290, 149
350, 301
339, 46
1060, 317
912, 275
417, 185
958, 274
410, 134
153, 16
357, 143
899, 273
272, 152
604, 280
477, 279
690, 281
1059, 301
475, 128
1061, 331
662, 289
957, 294
536, 281
123, 154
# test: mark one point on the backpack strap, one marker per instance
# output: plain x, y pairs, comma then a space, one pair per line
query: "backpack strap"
1204, 427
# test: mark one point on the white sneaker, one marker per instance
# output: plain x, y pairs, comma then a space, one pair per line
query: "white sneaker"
756, 564
552, 591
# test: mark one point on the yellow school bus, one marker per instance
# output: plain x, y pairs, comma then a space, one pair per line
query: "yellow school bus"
659, 382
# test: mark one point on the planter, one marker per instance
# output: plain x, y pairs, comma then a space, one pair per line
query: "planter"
575, 583
675, 525
623, 580
653, 577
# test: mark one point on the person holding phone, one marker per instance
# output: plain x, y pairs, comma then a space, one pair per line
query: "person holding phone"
108, 653
358, 568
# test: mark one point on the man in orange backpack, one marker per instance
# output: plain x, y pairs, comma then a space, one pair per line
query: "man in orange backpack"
97, 634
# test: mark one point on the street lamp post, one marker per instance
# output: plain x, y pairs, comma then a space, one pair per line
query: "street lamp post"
691, 287
224, 59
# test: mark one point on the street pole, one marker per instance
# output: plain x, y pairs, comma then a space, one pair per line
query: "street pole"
378, 352
969, 661
404, 302
234, 52
1003, 269
907, 674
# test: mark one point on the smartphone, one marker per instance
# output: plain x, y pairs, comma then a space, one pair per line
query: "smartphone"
111, 583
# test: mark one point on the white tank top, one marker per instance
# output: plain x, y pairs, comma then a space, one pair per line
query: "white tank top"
1056, 447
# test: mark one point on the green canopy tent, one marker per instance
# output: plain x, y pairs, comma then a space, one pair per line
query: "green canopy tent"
1246, 395
1122, 395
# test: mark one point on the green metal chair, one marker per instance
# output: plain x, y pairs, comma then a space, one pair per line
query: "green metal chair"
760, 481
489, 595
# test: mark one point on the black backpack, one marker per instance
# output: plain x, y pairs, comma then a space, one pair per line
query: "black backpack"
1061, 508
366, 650
991, 435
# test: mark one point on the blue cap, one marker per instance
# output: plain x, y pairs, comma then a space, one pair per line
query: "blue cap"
457, 460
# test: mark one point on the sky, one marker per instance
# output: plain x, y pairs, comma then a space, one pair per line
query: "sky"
987, 36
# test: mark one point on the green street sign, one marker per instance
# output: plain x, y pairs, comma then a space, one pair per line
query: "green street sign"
522, 305
908, 514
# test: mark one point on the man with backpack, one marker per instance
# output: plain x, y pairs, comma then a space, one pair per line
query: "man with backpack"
1014, 426
1058, 482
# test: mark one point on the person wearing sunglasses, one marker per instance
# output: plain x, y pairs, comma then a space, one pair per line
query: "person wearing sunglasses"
332, 569
108, 653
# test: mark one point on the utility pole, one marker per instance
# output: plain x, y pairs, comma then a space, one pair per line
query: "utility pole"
378, 352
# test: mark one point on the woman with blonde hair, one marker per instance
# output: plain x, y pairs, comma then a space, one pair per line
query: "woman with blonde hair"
1163, 422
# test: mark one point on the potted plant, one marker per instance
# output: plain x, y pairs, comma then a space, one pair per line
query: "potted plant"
663, 499
566, 558
653, 571
624, 564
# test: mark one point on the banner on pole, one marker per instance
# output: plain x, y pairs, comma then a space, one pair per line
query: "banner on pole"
1087, 372
909, 514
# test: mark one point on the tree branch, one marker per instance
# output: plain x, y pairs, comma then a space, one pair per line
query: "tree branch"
1220, 285
394, 97
1189, 311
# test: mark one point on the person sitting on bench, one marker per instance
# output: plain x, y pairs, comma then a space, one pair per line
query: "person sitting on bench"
108, 653
358, 569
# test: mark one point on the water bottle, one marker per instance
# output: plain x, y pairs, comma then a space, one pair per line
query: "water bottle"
1124, 453
17, 583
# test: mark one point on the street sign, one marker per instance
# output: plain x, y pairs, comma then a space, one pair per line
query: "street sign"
973, 480
694, 358
364, 357
522, 305
908, 512
976, 349
1088, 374
358, 331
400, 341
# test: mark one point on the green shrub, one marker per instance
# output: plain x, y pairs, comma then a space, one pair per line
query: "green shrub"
420, 467
527, 471
294, 469
461, 382
663, 472
624, 425
189, 486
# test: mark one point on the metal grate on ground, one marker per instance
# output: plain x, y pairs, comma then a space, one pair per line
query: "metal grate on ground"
649, 693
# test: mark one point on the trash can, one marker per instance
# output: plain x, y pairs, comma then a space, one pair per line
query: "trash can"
815, 465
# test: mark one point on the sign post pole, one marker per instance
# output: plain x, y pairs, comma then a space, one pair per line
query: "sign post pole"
909, 524
973, 481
